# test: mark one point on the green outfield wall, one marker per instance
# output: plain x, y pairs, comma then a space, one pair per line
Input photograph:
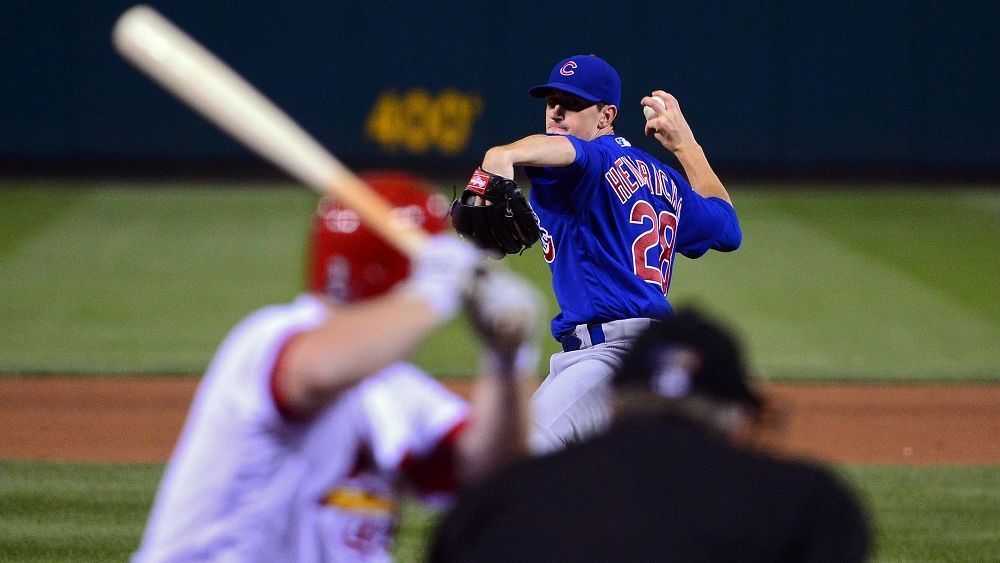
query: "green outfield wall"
838, 86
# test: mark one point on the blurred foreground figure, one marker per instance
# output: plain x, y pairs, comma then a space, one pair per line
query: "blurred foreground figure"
671, 480
307, 423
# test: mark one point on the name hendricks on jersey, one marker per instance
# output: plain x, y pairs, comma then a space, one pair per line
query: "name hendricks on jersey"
627, 175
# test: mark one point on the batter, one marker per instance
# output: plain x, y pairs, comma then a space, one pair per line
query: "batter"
308, 423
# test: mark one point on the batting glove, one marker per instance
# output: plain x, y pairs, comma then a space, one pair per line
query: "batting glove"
442, 273
506, 312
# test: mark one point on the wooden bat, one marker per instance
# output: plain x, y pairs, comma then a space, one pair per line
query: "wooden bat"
193, 74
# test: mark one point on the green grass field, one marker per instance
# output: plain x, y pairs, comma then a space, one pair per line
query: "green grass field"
851, 284
82, 512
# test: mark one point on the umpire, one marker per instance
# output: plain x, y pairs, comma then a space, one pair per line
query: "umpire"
669, 481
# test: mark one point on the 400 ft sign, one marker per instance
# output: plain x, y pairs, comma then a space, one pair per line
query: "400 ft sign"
417, 121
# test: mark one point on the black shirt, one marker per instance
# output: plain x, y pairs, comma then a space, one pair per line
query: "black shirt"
656, 489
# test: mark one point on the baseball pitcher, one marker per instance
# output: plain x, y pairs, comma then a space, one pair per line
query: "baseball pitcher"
611, 219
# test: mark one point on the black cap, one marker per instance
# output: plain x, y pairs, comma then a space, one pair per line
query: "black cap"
687, 354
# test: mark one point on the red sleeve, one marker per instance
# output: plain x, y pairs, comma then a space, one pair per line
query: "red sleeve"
437, 471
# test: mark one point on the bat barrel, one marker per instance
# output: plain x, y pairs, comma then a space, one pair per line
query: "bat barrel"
201, 80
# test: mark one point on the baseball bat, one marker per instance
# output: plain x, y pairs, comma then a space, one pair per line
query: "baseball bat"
189, 71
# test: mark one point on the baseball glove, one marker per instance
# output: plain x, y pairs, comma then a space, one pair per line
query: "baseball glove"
493, 213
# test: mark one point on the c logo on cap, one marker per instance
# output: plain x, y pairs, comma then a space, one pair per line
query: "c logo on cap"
567, 69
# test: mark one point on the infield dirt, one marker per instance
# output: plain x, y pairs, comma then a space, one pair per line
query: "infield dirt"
137, 419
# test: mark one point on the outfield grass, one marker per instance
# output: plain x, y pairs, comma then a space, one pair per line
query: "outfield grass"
126, 280
96, 512
849, 284
861, 284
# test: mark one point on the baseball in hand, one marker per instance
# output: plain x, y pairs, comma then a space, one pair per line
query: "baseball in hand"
649, 112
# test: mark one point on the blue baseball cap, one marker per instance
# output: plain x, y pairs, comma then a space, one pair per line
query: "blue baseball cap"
586, 76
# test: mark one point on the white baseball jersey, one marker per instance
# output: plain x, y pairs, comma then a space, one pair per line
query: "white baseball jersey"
247, 484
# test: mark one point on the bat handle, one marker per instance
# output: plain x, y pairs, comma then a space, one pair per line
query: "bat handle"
410, 241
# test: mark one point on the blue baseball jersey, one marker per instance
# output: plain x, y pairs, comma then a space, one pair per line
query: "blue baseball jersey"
611, 224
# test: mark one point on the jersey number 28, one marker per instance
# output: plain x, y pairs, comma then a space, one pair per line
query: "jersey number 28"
662, 233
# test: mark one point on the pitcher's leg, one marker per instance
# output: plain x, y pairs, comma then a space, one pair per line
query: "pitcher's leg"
572, 403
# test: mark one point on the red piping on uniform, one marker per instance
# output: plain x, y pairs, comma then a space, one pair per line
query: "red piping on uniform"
437, 472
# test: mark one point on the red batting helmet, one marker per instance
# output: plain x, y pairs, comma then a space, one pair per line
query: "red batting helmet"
348, 261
